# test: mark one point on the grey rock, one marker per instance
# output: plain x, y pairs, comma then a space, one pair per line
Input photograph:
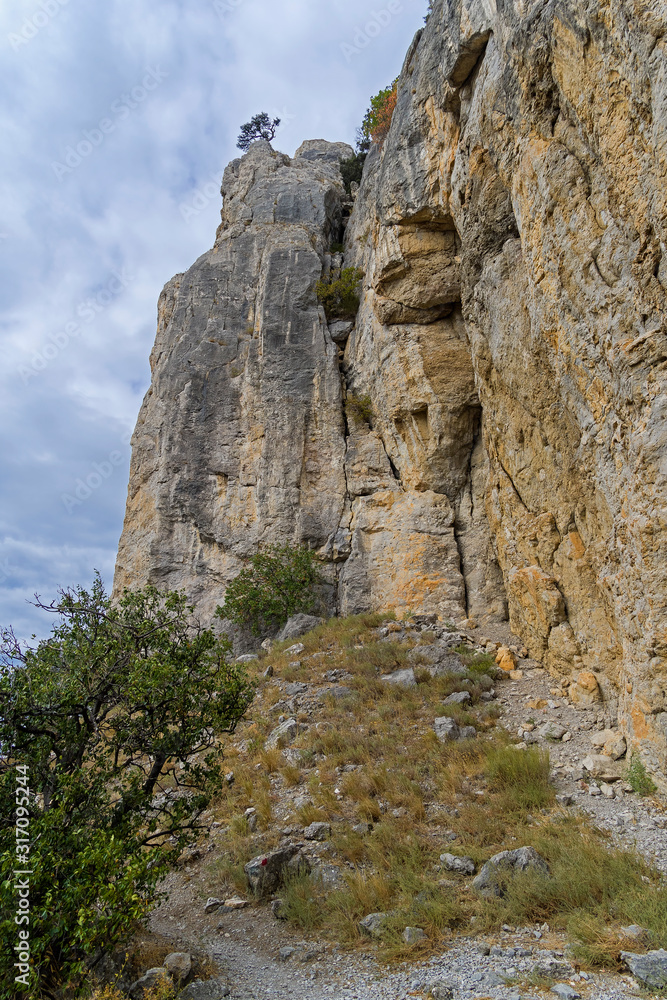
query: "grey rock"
372, 924
317, 831
401, 678
637, 934
282, 734
340, 330
438, 659
297, 648
466, 866
298, 625
338, 693
209, 989
213, 904
441, 990
549, 967
267, 872
564, 799
363, 829
565, 992
414, 935
247, 658
278, 909
294, 689
458, 698
603, 767
446, 729
552, 731
468, 733
507, 863
650, 969
147, 982
286, 953
179, 966
268, 672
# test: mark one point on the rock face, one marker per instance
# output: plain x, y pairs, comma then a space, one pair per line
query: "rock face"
510, 351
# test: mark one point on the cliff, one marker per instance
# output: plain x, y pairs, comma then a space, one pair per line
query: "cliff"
510, 340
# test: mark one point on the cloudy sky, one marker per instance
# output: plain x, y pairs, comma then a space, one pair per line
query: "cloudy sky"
118, 120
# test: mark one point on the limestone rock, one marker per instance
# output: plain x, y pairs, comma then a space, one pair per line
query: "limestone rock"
401, 678
372, 924
282, 734
600, 766
466, 866
650, 969
317, 831
507, 863
267, 872
298, 625
414, 935
179, 966
446, 729
209, 989
147, 982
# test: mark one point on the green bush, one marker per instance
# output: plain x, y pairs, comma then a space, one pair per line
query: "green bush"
637, 776
359, 408
113, 723
352, 170
278, 583
340, 297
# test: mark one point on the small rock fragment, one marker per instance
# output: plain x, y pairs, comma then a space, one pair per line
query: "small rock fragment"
286, 953
466, 866
372, 924
284, 733
507, 862
213, 904
441, 990
414, 935
179, 966
565, 992
236, 903
317, 831
552, 731
297, 648
458, 698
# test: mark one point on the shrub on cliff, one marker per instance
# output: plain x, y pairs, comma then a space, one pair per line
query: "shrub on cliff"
278, 583
108, 736
352, 170
340, 296
375, 126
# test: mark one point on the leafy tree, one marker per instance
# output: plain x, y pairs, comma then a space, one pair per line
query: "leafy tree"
340, 296
278, 583
116, 718
375, 126
259, 127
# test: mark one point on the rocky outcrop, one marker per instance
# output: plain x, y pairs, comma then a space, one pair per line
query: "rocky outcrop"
512, 330
489, 437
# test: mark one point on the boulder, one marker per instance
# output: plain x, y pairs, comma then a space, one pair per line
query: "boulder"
552, 731
507, 863
446, 729
211, 989
298, 625
649, 969
317, 831
179, 966
506, 659
147, 982
401, 678
267, 872
600, 766
282, 734
458, 698
585, 690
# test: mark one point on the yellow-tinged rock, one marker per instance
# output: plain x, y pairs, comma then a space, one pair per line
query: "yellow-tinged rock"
506, 659
516, 675
586, 690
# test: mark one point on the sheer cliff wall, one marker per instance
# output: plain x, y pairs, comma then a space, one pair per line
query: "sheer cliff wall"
511, 340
